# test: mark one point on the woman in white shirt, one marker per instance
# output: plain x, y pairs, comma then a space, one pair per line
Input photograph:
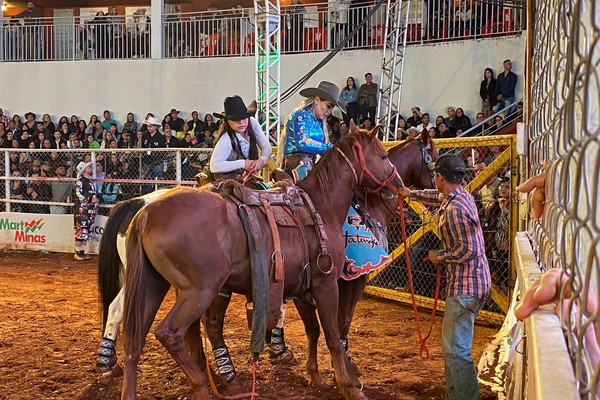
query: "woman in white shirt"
241, 144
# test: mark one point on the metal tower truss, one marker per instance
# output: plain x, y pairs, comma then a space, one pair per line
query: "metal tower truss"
392, 67
268, 56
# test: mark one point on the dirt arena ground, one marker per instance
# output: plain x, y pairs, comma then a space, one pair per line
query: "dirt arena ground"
50, 331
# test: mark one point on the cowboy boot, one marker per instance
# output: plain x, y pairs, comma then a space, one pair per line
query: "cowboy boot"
81, 256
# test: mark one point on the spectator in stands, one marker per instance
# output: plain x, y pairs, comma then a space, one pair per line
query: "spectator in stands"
185, 129
107, 120
401, 131
117, 33
114, 167
57, 140
105, 144
207, 141
130, 125
63, 129
37, 190
240, 145
295, 34
39, 128
101, 35
483, 129
166, 121
188, 141
98, 131
17, 120
30, 120
438, 120
506, 84
17, 188
516, 116
48, 125
81, 129
498, 124
170, 140
349, 98
4, 118
84, 209
496, 228
489, 190
462, 20
467, 271
124, 141
487, 92
445, 132
462, 121
210, 123
439, 20
90, 142
425, 123
367, 98
31, 19
416, 117
61, 189
143, 128
176, 122
25, 139
73, 124
451, 111
195, 125
91, 124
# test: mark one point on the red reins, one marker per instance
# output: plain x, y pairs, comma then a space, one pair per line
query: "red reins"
423, 350
364, 170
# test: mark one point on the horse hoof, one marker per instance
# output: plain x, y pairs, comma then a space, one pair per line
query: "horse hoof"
287, 357
107, 379
117, 371
319, 383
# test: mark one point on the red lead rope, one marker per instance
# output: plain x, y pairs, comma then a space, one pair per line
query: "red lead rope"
423, 350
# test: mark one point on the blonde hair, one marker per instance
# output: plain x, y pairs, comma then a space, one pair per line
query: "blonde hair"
306, 103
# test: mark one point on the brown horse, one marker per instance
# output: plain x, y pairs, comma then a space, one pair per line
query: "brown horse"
164, 249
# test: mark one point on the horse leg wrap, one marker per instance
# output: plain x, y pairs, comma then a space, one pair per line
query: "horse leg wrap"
278, 346
225, 366
107, 356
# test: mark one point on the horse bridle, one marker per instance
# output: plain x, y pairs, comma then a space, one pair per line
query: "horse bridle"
365, 170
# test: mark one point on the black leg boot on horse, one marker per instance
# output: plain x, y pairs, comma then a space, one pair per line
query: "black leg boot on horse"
279, 353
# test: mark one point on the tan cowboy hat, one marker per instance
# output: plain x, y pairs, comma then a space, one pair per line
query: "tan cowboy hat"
151, 121
325, 91
236, 110
81, 167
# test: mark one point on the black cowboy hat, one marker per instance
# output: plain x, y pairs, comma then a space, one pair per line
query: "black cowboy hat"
236, 110
30, 113
325, 91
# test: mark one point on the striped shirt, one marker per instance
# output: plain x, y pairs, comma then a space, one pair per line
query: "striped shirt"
463, 248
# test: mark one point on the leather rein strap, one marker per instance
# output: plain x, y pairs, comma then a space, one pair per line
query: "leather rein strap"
365, 171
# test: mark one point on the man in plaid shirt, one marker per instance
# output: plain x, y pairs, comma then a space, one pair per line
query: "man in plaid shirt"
467, 271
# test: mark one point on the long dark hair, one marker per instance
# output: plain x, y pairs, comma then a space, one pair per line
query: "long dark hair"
353, 81
235, 143
491, 72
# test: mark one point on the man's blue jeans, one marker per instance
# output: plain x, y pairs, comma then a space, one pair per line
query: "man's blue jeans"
501, 105
457, 340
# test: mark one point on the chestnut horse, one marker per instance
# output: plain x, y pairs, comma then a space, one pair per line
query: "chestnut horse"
410, 163
164, 250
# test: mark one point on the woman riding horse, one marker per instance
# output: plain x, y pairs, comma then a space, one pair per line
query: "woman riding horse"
238, 142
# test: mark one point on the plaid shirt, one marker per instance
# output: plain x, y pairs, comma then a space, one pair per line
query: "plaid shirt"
463, 252
5, 119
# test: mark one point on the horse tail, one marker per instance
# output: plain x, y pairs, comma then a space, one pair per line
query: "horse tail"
110, 264
136, 278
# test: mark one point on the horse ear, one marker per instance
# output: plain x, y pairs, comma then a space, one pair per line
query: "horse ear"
353, 127
374, 131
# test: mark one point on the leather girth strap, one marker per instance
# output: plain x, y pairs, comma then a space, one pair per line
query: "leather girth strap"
276, 273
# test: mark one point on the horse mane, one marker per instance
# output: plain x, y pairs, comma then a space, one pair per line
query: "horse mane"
326, 172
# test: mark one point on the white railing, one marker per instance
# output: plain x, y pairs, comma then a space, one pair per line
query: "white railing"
314, 27
135, 171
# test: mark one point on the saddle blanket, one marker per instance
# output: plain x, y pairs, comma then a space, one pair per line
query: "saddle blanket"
364, 253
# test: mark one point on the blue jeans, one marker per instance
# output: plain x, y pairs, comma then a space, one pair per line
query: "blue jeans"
501, 105
457, 340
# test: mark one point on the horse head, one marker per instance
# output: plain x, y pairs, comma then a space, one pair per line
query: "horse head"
374, 171
411, 160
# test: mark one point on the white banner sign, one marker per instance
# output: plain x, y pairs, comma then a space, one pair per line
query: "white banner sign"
49, 232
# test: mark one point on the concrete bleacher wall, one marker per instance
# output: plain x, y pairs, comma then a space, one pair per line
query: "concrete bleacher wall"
435, 76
